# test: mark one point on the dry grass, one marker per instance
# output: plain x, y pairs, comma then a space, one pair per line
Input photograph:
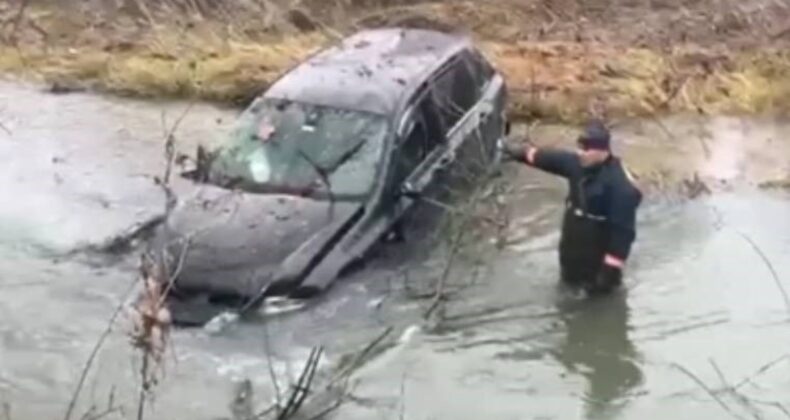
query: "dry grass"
557, 80
166, 66
562, 81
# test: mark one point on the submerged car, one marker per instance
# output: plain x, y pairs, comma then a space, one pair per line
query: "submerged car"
329, 159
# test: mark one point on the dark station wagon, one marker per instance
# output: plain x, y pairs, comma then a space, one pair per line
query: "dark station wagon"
329, 160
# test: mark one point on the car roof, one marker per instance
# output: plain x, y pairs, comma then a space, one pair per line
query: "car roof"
369, 71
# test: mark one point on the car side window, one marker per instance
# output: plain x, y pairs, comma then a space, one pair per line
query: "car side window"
412, 150
426, 133
431, 116
453, 94
482, 71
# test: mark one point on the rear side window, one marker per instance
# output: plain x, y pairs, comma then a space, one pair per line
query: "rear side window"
412, 150
425, 134
455, 93
481, 69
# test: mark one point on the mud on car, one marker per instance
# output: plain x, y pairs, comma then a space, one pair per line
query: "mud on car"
328, 160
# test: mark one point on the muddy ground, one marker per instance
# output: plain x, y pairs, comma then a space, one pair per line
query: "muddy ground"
563, 59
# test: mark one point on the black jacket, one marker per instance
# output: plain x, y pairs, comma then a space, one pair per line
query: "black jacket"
604, 194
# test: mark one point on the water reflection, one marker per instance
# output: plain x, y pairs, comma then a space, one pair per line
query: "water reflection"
597, 347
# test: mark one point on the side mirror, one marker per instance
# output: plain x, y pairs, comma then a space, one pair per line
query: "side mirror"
202, 165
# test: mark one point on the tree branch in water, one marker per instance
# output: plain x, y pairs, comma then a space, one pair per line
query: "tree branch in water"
95, 352
770, 267
707, 389
762, 370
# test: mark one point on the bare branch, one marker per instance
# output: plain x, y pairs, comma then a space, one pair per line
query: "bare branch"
742, 399
360, 357
769, 265
266, 412
454, 248
439, 293
719, 372
170, 141
302, 388
152, 324
177, 271
104, 413
707, 389
143, 388
272, 375
18, 19
450, 209
95, 352
151, 327
762, 370
334, 406
403, 396
776, 405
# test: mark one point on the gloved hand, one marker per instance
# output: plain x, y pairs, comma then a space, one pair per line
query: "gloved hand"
517, 151
609, 278
514, 151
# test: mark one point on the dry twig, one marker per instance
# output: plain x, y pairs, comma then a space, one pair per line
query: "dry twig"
301, 390
776, 405
742, 399
769, 265
403, 396
151, 327
20, 14
272, 375
440, 285
359, 358
439, 294
707, 389
152, 319
95, 352
761, 370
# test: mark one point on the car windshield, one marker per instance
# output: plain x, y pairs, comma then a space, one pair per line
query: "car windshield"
295, 148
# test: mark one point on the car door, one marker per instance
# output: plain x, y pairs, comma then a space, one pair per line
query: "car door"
492, 102
461, 113
413, 158
444, 145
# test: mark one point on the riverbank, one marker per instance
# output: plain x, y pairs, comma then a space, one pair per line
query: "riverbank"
559, 62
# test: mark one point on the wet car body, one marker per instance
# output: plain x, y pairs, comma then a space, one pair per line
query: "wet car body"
423, 101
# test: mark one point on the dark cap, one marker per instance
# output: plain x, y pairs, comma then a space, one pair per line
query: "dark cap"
595, 136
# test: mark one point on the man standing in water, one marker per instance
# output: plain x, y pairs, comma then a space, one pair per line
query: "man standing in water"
599, 225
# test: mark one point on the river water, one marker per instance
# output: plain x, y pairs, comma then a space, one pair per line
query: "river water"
703, 310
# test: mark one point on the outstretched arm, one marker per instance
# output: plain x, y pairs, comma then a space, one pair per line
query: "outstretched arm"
551, 160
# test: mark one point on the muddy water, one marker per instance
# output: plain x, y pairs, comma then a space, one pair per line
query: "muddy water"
700, 300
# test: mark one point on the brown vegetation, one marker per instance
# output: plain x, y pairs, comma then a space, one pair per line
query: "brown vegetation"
560, 57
